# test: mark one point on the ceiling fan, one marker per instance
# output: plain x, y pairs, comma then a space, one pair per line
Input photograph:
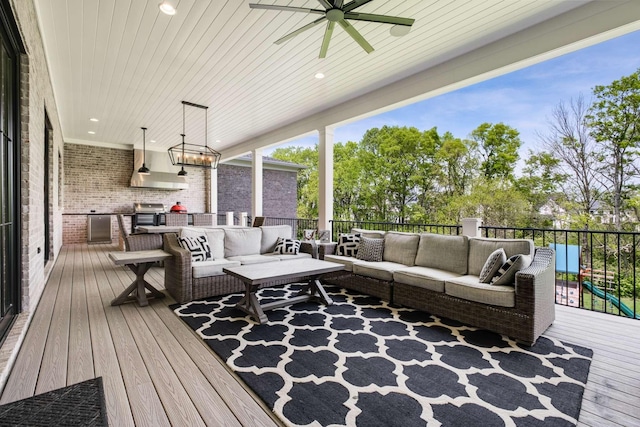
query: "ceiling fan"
336, 11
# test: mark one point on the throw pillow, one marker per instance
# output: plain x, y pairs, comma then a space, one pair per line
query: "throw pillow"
370, 249
507, 273
287, 246
492, 265
198, 246
348, 244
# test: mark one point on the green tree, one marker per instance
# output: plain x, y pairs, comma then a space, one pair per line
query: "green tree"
347, 177
307, 178
614, 120
498, 145
458, 164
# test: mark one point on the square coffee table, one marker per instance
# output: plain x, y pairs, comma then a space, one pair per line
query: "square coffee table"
276, 272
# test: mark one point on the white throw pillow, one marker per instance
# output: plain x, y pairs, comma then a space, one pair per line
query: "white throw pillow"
492, 265
198, 246
507, 273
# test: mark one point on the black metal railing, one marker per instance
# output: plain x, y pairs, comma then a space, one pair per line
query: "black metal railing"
338, 227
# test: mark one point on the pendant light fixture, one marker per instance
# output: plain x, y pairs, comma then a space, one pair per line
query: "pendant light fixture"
144, 170
185, 154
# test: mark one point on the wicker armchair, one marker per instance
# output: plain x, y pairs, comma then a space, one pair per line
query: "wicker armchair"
203, 220
176, 220
138, 242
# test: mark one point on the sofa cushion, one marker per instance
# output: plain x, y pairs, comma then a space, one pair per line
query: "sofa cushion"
287, 246
288, 257
401, 247
211, 268
444, 252
506, 275
492, 265
270, 234
469, 288
370, 249
379, 270
347, 261
242, 241
348, 244
481, 248
198, 246
424, 277
214, 235
374, 234
254, 259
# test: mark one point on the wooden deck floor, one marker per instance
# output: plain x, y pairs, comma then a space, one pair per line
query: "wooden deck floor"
157, 372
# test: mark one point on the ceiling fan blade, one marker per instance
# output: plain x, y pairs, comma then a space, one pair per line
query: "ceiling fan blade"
300, 30
326, 4
338, 3
356, 35
385, 19
327, 38
286, 8
353, 4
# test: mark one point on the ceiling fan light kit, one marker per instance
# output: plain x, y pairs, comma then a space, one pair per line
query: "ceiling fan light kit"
185, 154
335, 11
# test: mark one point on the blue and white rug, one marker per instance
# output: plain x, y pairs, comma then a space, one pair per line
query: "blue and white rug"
360, 362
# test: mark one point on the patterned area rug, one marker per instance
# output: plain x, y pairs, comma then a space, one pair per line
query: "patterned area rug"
361, 362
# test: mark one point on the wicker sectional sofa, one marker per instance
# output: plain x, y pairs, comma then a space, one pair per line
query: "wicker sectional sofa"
440, 275
186, 280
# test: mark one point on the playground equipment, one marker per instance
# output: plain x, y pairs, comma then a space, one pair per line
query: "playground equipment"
568, 261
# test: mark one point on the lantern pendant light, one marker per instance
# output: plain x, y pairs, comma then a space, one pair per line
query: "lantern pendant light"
144, 170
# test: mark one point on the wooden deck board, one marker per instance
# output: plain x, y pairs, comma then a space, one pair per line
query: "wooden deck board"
156, 371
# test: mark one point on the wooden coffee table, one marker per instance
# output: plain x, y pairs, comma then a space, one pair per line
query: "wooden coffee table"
276, 272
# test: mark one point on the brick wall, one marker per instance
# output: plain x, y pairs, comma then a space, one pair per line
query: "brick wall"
280, 196
98, 178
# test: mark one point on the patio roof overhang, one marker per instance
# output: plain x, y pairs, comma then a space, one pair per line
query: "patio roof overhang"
129, 65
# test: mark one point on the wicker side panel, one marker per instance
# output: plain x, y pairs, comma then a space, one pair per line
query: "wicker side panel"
366, 285
177, 270
535, 290
507, 321
143, 242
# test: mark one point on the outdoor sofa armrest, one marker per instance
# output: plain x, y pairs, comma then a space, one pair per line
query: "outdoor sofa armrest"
177, 269
143, 242
309, 248
329, 248
535, 285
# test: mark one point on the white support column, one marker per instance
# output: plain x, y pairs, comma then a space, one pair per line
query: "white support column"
256, 183
325, 178
471, 227
230, 218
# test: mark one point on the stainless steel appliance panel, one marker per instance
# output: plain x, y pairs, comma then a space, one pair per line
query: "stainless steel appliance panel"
98, 228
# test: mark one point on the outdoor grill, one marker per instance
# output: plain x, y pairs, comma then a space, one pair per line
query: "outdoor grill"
147, 213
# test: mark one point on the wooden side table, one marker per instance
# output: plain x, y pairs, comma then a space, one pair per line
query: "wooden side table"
139, 262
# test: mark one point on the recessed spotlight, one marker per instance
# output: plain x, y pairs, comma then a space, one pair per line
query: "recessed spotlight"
217, 140
167, 8
93, 119
153, 140
91, 132
320, 76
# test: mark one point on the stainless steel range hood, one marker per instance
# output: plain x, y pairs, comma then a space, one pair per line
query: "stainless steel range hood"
163, 174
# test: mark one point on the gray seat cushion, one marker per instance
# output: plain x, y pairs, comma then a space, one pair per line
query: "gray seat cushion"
379, 270
400, 247
424, 277
444, 252
480, 249
242, 241
270, 234
347, 261
211, 268
254, 259
469, 288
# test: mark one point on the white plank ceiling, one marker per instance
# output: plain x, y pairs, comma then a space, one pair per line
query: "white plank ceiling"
129, 65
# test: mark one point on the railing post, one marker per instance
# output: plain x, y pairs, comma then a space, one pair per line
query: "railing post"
471, 227
229, 218
244, 216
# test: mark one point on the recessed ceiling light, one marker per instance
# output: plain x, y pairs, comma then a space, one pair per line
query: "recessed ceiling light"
217, 140
92, 132
167, 8
320, 76
93, 119
153, 140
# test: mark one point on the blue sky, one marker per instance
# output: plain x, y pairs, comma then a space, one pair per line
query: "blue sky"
523, 99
